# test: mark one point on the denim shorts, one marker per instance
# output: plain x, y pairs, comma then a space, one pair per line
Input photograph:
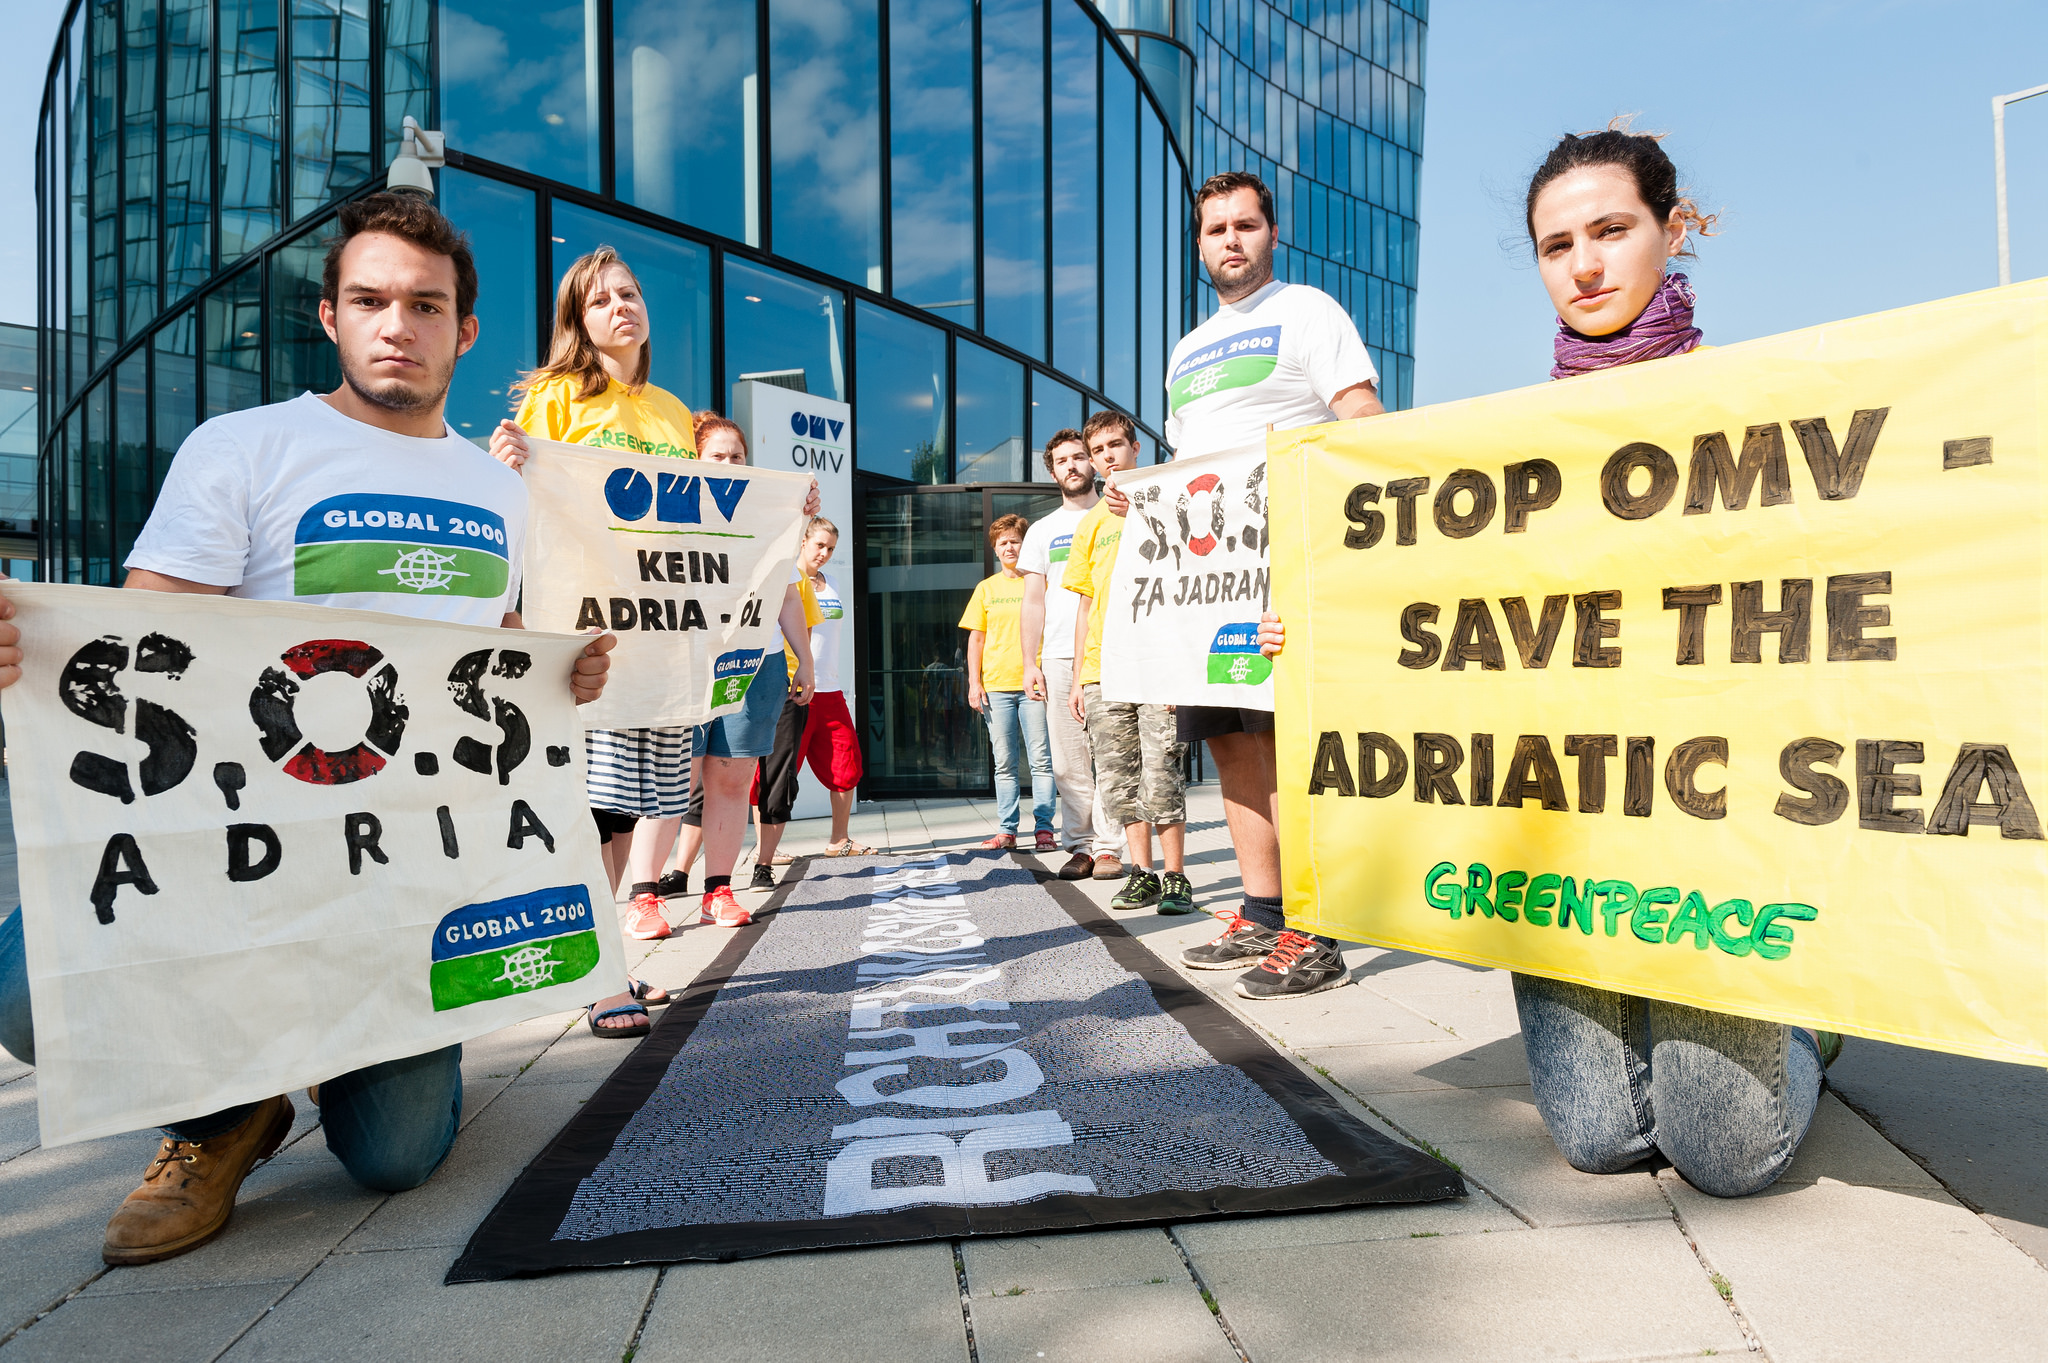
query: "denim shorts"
750, 730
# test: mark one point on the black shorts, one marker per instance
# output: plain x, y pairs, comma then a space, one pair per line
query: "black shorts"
610, 823
1198, 723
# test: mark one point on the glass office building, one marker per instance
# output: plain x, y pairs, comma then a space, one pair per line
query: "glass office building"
970, 220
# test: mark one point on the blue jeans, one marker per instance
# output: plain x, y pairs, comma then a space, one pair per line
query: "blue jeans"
1011, 714
1726, 1099
390, 1124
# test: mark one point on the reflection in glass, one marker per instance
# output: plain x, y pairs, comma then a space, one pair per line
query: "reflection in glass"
18, 428
72, 550
97, 546
138, 165
675, 279
499, 220
1151, 273
79, 188
332, 142
900, 411
988, 416
132, 486
1054, 407
931, 156
234, 344
302, 359
249, 125
824, 70
105, 73
1013, 173
688, 127
177, 390
776, 322
408, 68
1119, 233
1076, 346
924, 555
188, 159
519, 84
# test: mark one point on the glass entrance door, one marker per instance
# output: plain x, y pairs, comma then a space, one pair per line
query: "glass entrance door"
925, 548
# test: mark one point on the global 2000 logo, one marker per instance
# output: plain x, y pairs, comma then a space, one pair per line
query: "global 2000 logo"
512, 946
1234, 657
408, 546
732, 673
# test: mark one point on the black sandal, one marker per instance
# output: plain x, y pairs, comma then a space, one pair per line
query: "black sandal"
642, 992
618, 1033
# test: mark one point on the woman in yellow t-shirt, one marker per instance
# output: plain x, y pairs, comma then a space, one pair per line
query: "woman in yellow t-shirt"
995, 687
594, 391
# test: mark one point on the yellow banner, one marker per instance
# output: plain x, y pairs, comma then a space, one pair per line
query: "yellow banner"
1716, 679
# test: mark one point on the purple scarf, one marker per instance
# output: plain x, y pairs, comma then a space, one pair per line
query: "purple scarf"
1664, 328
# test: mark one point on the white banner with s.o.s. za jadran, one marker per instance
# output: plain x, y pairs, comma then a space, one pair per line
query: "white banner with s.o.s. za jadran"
263, 844
686, 561
1190, 584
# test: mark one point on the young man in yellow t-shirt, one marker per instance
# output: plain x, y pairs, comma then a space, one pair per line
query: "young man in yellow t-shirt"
994, 621
1137, 756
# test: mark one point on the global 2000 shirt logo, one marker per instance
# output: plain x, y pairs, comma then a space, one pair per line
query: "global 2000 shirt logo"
1234, 362
410, 546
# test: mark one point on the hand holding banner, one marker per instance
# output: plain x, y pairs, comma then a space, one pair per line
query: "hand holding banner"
686, 560
1190, 585
1715, 679
263, 844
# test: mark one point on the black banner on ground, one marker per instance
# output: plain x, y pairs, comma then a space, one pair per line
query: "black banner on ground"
932, 1049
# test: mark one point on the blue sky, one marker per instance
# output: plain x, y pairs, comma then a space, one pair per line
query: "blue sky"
1848, 146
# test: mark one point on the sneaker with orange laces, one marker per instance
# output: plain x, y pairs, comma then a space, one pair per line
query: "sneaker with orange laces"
1299, 964
1243, 943
722, 910
1047, 842
644, 922
999, 842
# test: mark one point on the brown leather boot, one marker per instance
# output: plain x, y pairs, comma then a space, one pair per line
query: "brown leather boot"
188, 1191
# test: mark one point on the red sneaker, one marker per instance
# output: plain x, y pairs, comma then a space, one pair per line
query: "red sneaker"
1001, 842
645, 923
722, 910
1046, 841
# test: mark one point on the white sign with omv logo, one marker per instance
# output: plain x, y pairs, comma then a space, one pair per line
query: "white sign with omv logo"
805, 433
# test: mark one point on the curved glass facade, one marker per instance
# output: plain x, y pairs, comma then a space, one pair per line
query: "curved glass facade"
969, 218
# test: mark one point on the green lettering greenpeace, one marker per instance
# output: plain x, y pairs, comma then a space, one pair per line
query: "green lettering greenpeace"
1736, 927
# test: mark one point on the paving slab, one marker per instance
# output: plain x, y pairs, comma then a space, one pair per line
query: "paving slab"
488, 1156
1830, 1272
18, 1116
1980, 1126
1840, 1147
898, 1304
1584, 1293
1505, 1112
54, 1206
1532, 1179
287, 1219
1337, 1017
392, 1305
1474, 1214
1155, 1323
1053, 1263
1406, 1067
192, 1324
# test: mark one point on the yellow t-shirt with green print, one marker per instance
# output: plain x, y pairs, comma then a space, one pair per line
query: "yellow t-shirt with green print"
1091, 559
651, 421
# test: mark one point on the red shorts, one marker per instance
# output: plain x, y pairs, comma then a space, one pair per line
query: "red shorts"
830, 744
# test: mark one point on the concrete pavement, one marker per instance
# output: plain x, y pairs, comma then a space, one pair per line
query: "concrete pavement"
1913, 1225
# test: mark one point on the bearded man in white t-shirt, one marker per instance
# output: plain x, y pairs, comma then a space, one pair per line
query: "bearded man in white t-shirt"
1095, 844
1274, 356
255, 506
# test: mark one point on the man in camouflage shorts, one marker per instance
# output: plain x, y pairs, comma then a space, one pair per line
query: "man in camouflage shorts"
1137, 754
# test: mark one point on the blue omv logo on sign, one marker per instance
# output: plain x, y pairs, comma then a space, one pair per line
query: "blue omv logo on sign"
815, 427
677, 498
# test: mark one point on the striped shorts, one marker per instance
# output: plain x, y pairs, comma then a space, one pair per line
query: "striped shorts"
638, 771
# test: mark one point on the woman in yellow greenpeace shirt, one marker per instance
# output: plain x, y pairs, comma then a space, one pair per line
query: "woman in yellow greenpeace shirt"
995, 687
594, 391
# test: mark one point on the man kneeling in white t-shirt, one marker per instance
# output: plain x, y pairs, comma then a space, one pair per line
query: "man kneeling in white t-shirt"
396, 297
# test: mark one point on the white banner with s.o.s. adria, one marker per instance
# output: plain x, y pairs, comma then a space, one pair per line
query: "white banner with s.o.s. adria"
263, 844
686, 560
1190, 584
